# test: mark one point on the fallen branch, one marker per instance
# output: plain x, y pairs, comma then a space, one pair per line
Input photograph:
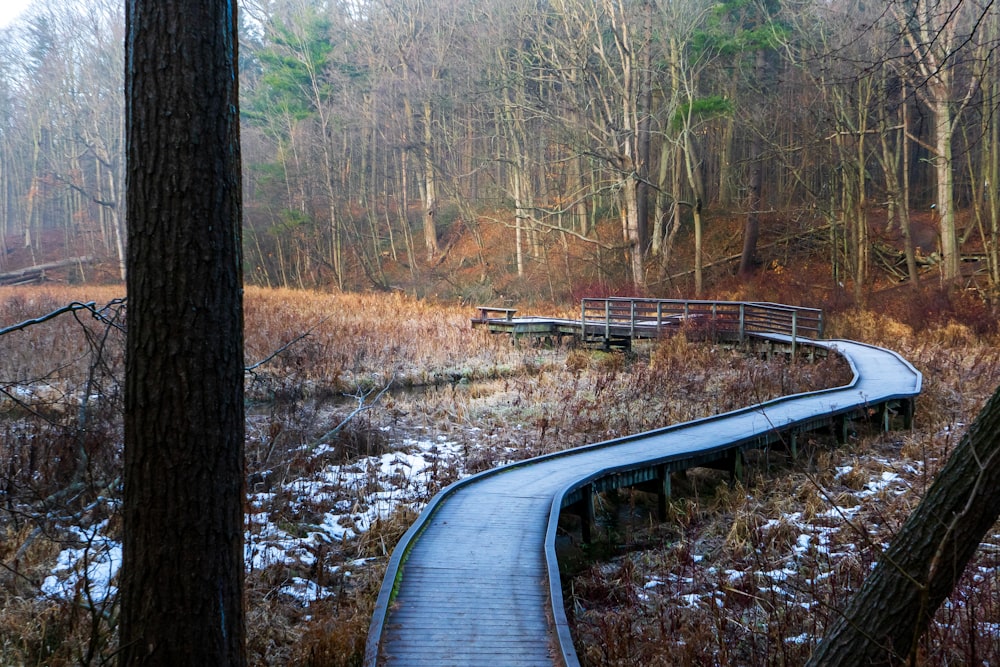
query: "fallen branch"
362, 407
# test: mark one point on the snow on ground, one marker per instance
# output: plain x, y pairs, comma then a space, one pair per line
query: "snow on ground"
87, 571
355, 495
797, 554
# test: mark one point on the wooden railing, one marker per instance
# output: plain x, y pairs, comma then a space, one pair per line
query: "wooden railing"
617, 318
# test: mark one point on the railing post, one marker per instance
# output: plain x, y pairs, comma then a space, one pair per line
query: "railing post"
631, 325
583, 321
742, 331
795, 329
607, 321
659, 316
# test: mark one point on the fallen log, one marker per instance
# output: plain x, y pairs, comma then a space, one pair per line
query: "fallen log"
33, 273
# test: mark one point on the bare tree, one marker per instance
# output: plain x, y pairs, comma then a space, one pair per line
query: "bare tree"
937, 34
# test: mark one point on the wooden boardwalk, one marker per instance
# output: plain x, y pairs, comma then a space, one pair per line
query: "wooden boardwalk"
475, 582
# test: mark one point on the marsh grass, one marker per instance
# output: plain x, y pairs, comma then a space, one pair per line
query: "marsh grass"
484, 402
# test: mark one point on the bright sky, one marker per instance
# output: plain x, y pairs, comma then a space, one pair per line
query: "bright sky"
10, 9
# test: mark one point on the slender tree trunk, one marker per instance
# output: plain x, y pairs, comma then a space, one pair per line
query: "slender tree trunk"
4, 209
660, 210
182, 563
517, 184
896, 190
726, 157
751, 229
116, 223
643, 121
430, 188
860, 216
690, 164
943, 130
992, 242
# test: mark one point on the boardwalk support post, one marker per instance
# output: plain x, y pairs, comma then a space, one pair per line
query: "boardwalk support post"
793, 444
736, 467
909, 407
587, 514
662, 491
839, 425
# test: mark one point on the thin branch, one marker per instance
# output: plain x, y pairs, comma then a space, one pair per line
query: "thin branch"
363, 406
76, 305
250, 369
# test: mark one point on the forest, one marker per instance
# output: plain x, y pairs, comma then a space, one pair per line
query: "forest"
389, 165
489, 149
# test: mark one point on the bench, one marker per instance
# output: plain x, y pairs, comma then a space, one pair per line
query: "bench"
486, 311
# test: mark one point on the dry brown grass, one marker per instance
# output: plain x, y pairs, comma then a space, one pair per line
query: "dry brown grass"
777, 559
496, 403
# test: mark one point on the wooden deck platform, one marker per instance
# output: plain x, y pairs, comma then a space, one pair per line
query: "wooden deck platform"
475, 581
617, 322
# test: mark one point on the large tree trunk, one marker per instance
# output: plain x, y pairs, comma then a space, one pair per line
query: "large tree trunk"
883, 622
182, 570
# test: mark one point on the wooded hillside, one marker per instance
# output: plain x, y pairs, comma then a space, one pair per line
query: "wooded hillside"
565, 144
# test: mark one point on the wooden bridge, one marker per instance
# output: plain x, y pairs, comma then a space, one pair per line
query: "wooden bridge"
475, 580
617, 322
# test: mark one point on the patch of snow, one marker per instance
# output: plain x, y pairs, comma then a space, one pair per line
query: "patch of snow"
354, 496
304, 591
88, 570
779, 575
691, 600
838, 512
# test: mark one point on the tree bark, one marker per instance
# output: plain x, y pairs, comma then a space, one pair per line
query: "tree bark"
885, 619
182, 565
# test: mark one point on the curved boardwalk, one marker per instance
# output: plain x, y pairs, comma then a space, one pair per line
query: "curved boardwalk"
474, 582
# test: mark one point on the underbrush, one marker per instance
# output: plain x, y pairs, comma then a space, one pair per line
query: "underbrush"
360, 408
